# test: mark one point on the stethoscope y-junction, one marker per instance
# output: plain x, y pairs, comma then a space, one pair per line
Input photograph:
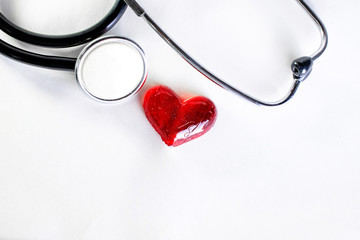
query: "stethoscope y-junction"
301, 67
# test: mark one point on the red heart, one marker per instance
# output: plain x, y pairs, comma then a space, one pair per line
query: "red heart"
178, 121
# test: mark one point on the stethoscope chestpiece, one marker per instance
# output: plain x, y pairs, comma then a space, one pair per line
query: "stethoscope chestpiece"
111, 69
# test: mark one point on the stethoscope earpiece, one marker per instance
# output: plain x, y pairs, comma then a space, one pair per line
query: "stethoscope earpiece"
302, 67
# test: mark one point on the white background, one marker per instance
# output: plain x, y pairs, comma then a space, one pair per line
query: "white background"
72, 168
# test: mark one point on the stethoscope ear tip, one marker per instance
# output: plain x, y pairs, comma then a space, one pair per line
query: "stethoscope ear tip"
302, 67
111, 69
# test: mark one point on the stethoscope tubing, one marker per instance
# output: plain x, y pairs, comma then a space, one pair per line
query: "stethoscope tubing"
296, 82
323, 32
62, 41
69, 40
115, 14
38, 60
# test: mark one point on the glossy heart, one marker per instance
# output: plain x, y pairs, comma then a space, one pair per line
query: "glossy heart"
178, 121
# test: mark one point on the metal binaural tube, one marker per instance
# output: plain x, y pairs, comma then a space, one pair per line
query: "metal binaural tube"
323, 32
297, 65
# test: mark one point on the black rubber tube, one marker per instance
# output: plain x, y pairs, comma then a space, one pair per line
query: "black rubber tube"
55, 62
69, 40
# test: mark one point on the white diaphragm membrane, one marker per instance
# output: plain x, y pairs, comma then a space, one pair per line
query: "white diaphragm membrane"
111, 69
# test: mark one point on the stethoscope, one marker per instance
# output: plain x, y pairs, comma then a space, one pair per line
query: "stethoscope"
100, 47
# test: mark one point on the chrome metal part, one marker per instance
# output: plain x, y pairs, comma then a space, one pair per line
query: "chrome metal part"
93, 46
297, 65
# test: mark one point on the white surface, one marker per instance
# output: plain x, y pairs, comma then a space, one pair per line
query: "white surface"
72, 168
112, 69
